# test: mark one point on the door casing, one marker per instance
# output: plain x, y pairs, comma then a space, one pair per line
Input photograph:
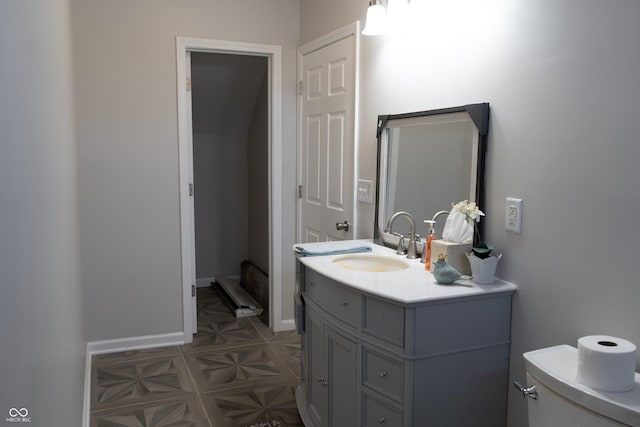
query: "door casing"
185, 45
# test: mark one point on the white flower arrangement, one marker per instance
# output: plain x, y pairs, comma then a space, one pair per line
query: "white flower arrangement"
472, 213
468, 209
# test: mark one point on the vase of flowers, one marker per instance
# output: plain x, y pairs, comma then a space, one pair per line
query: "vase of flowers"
483, 261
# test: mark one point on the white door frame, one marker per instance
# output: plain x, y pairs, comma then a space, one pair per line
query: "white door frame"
184, 45
348, 30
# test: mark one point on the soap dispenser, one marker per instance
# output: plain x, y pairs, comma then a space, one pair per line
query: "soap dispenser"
426, 252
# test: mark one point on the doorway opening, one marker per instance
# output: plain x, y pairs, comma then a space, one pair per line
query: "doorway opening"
229, 112
229, 100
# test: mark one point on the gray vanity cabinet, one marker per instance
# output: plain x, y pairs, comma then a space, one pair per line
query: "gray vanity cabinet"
332, 367
369, 361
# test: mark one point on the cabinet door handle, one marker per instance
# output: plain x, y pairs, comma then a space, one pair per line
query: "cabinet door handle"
381, 420
322, 381
383, 374
311, 283
345, 302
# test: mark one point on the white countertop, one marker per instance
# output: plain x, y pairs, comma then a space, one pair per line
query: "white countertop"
411, 285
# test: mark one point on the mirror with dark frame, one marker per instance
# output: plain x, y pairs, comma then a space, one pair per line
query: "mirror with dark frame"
428, 160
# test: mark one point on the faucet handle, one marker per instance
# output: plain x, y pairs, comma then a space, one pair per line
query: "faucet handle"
402, 248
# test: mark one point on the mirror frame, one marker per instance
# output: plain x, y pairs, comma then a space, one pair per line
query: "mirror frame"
479, 115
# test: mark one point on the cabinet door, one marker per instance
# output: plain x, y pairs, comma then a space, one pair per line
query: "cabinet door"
317, 380
342, 380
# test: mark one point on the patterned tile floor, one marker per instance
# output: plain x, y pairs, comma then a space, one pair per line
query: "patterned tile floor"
236, 373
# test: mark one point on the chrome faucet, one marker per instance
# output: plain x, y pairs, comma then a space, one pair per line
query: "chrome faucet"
412, 250
439, 213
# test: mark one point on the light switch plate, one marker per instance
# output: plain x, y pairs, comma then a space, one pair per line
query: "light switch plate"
365, 191
513, 215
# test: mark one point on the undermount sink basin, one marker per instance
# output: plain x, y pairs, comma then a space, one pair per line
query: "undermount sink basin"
371, 263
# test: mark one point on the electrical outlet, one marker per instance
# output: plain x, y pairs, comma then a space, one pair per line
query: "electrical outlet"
513, 215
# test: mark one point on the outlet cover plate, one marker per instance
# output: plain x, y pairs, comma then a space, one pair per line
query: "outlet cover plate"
513, 215
365, 191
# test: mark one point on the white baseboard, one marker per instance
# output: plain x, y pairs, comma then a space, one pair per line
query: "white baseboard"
135, 343
121, 344
287, 325
86, 404
204, 282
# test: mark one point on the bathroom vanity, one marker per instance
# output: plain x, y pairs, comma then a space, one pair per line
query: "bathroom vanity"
394, 348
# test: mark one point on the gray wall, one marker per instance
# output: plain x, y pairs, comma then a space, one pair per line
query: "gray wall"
220, 179
562, 80
258, 180
125, 82
42, 342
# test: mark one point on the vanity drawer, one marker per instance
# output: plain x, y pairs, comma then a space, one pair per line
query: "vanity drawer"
376, 413
337, 300
384, 320
383, 375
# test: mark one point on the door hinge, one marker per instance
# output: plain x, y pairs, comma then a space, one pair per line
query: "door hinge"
300, 87
193, 291
188, 84
190, 189
299, 191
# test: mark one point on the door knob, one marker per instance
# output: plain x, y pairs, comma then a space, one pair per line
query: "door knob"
342, 226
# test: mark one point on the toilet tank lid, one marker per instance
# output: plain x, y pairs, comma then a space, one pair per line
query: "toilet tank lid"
556, 367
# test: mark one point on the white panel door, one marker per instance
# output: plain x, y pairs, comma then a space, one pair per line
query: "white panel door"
327, 141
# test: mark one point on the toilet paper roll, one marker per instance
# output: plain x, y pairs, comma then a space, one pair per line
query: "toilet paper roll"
606, 363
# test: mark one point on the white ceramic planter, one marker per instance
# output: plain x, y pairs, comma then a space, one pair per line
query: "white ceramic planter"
483, 271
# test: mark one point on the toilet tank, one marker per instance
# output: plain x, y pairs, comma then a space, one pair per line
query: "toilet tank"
563, 402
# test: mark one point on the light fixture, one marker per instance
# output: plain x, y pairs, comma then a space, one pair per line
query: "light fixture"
398, 15
376, 23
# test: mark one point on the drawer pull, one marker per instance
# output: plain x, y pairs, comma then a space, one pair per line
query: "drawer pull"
345, 302
383, 374
381, 420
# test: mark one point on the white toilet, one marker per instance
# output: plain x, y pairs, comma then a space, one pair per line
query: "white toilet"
556, 399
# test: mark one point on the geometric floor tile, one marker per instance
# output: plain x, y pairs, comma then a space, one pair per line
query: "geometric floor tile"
236, 373
165, 413
223, 333
289, 351
269, 406
216, 370
268, 334
130, 355
214, 309
128, 383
